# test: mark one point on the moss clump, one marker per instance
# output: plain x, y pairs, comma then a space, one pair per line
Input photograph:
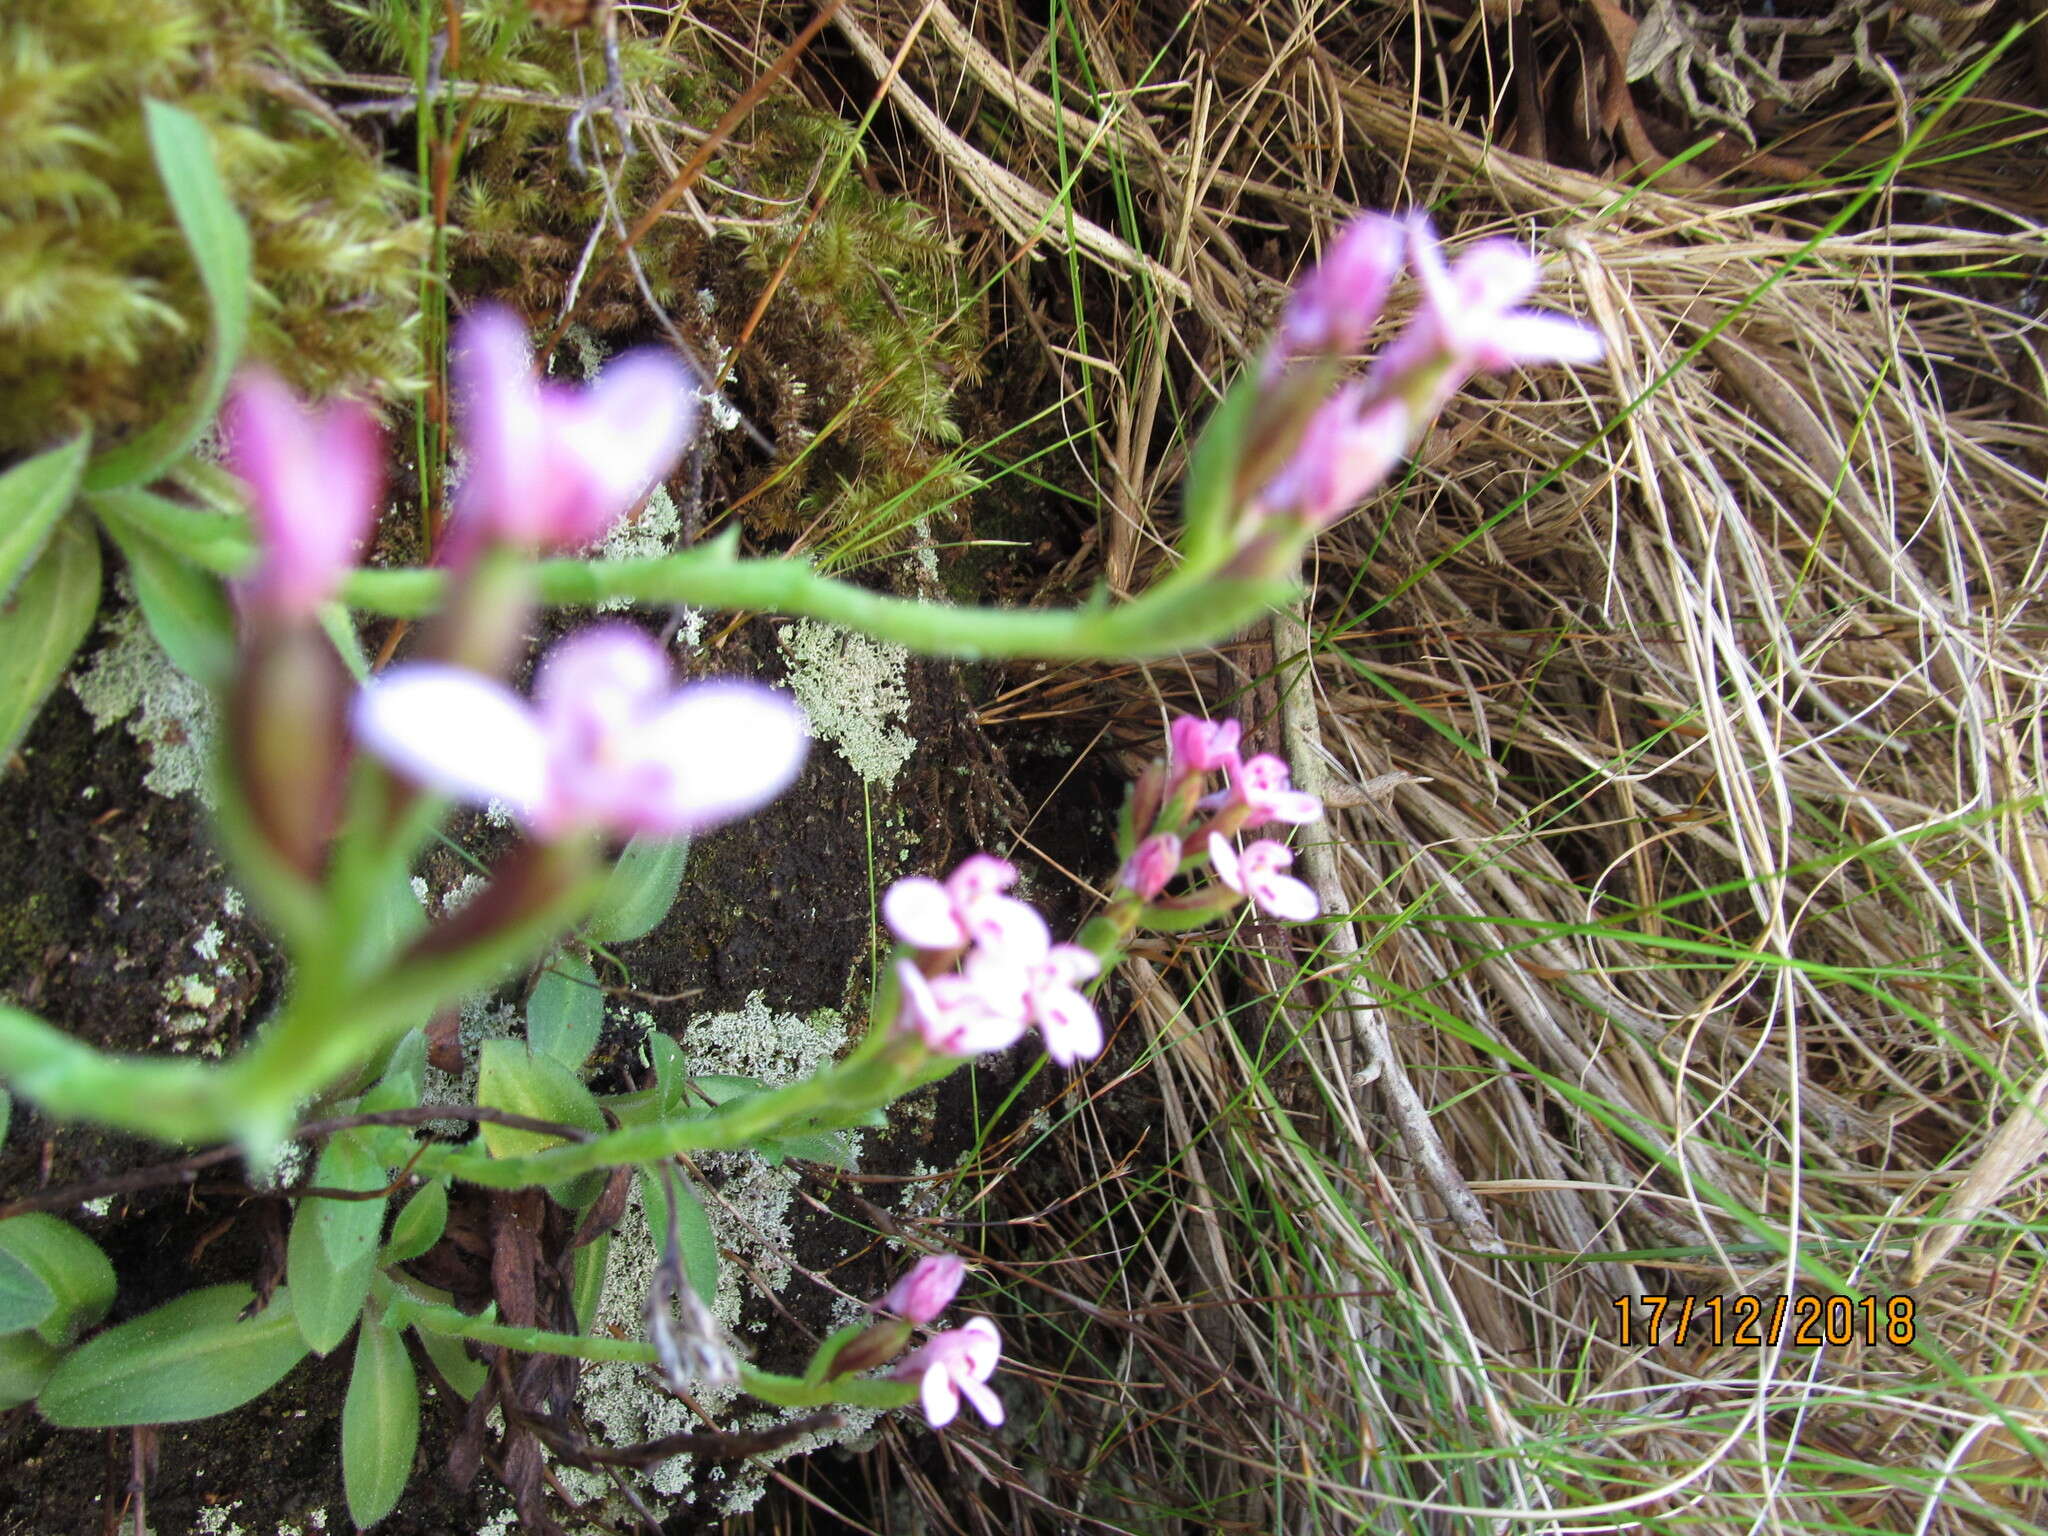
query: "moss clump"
101, 316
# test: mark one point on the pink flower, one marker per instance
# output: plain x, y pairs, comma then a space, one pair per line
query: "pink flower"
1351, 444
1334, 307
1151, 865
550, 465
314, 482
926, 1290
1199, 746
607, 745
1468, 322
953, 1365
1065, 1018
1256, 873
1260, 792
964, 1013
969, 908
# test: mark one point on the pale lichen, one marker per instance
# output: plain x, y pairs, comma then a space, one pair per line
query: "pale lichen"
175, 718
851, 689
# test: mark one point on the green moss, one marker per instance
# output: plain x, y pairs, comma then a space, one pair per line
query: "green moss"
101, 318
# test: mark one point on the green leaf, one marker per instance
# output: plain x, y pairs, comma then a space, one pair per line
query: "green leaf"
216, 541
333, 1246
6, 1112
26, 1362
219, 243
69, 1266
25, 1302
42, 624
587, 1276
463, 1372
1213, 470
509, 1076
189, 1359
186, 608
33, 495
693, 1230
641, 889
421, 1221
671, 1074
380, 1424
829, 1147
565, 1011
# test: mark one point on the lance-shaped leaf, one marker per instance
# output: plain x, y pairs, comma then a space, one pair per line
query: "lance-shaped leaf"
380, 1424
565, 1011
42, 623
421, 1221
184, 605
641, 889
33, 495
67, 1264
332, 1251
510, 1076
189, 1359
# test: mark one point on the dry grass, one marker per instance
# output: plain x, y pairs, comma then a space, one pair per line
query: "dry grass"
1683, 726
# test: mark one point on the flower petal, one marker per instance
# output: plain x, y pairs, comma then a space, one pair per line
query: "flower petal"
1528, 338
941, 1396
456, 732
920, 913
618, 438
986, 1403
1067, 1021
730, 747
504, 443
1223, 859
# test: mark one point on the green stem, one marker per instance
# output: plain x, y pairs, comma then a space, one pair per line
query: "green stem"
1178, 614
766, 1386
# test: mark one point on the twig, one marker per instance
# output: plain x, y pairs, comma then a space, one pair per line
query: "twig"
1304, 741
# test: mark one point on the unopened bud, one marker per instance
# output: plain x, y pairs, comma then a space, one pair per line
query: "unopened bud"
288, 740
869, 1348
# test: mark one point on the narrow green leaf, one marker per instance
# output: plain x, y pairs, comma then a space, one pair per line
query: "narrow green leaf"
42, 624
380, 1425
566, 1011
189, 1359
33, 495
25, 1302
214, 540
69, 1265
693, 1229
641, 889
671, 1073
332, 1250
421, 1221
587, 1276
26, 1362
829, 1147
219, 243
1212, 472
6, 1112
463, 1372
185, 606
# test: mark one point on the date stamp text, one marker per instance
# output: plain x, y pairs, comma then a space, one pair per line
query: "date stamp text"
1757, 1322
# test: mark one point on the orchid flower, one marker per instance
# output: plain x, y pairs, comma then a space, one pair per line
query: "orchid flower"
953, 1365
607, 745
1200, 746
1065, 1018
314, 481
1260, 791
964, 1013
968, 908
1255, 873
925, 1290
551, 465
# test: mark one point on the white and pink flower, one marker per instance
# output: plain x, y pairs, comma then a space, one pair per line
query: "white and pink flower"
608, 744
1256, 874
968, 907
953, 1365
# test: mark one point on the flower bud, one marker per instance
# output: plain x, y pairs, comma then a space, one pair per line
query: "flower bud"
926, 1290
287, 732
869, 1348
1152, 866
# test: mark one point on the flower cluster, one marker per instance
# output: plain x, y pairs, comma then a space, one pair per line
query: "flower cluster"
1469, 321
950, 1365
1010, 975
608, 744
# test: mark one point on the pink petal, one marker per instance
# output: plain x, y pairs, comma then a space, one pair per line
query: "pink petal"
1008, 928
920, 913
314, 480
1223, 859
619, 437
980, 876
503, 436
456, 732
730, 748
616, 660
